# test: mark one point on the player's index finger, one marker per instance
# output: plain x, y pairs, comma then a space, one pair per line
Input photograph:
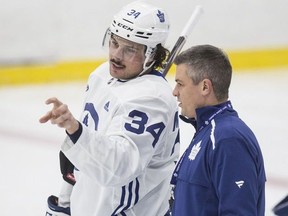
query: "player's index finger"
55, 101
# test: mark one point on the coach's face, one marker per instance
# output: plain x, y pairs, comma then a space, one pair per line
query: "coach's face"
126, 58
188, 94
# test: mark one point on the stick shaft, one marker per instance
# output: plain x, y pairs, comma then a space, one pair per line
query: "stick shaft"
182, 38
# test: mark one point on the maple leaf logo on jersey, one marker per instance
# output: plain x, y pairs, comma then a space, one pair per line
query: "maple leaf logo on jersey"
194, 151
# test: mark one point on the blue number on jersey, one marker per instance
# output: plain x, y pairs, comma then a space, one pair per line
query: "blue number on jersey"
138, 125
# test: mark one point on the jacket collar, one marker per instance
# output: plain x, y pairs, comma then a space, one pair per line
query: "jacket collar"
206, 114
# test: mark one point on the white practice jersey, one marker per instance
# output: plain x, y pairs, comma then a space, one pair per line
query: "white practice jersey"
126, 153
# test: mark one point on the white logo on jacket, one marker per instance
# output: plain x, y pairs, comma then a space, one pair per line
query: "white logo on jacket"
194, 151
239, 183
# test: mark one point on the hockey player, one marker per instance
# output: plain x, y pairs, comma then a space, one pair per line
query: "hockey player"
222, 171
122, 151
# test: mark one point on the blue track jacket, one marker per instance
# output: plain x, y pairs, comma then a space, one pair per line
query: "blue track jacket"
222, 171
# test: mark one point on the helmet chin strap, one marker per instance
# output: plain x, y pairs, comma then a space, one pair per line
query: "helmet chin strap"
149, 55
146, 68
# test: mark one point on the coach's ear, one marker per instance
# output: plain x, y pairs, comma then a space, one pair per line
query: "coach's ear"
207, 87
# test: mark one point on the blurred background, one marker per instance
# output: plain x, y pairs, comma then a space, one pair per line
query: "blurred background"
62, 39
49, 48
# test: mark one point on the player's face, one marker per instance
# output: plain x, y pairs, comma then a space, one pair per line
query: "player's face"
188, 94
126, 58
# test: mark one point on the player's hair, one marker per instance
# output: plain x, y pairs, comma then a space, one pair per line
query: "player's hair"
208, 62
160, 57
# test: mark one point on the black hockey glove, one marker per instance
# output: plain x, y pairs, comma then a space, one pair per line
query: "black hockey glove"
281, 208
67, 169
55, 210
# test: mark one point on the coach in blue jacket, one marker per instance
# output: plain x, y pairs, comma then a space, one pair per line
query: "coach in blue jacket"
222, 171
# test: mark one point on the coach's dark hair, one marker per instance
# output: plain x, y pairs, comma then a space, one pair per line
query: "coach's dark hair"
208, 62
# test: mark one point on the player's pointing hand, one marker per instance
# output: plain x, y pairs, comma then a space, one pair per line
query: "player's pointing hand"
60, 115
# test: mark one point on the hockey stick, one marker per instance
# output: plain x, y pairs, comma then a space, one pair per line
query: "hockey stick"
183, 37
